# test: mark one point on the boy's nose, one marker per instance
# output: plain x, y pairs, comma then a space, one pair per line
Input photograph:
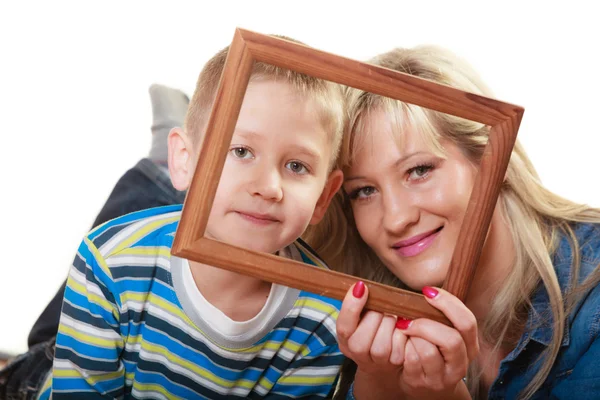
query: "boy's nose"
268, 186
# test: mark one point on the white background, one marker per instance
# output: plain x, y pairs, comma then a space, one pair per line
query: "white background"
75, 112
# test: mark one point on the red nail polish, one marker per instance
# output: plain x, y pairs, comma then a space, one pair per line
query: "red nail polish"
430, 292
403, 323
359, 289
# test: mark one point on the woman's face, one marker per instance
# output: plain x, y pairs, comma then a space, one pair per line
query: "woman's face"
408, 203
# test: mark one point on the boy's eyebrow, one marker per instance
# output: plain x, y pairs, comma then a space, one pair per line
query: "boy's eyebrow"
307, 151
246, 133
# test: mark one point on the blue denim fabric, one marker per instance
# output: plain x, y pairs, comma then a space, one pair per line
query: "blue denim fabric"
144, 186
576, 371
22, 378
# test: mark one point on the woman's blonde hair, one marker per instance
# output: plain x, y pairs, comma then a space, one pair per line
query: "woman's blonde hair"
536, 217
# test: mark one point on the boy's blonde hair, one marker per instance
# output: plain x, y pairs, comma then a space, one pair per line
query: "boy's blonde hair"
536, 217
328, 97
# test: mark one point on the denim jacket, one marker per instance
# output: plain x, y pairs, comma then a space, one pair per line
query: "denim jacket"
576, 371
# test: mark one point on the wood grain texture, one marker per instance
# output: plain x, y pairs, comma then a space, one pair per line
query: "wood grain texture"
375, 79
214, 145
301, 276
248, 47
482, 204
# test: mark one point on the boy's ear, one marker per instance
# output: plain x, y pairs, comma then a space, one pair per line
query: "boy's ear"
181, 160
333, 184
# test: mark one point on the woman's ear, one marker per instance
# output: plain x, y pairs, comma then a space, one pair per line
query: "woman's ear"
334, 182
181, 168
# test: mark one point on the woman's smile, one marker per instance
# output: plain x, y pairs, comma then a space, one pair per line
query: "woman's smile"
417, 244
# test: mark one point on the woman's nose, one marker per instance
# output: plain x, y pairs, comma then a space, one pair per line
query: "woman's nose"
400, 212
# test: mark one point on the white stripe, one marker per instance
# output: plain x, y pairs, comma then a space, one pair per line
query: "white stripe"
88, 311
86, 356
159, 358
126, 233
194, 333
90, 286
313, 371
89, 329
147, 394
138, 260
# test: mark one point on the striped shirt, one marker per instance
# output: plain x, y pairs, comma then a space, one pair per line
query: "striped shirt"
128, 328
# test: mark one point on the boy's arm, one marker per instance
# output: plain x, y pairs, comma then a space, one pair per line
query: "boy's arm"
314, 374
87, 361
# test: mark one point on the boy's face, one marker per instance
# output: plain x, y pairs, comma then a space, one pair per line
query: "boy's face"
275, 178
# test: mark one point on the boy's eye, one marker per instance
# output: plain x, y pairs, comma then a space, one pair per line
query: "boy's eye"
241, 152
297, 167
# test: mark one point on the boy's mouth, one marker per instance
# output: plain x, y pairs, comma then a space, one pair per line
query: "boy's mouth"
258, 218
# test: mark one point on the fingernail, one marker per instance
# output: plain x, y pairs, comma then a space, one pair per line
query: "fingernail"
359, 289
430, 292
403, 323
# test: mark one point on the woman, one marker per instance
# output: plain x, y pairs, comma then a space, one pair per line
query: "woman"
529, 327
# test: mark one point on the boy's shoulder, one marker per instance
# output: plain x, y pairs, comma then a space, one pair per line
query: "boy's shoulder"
308, 255
325, 304
154, 227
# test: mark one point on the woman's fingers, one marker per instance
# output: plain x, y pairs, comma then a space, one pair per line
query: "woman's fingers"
432, 363
413, 370
359, 344
459, 315
381, 348
398, 345
448, 340
350, 313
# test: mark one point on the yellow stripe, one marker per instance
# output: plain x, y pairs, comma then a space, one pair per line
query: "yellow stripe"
98, 257
92, 379
306, 380
156, 301
163, 304
86, 338
152, 387
47, 384
129, 376
147, 251
265, 383
140, 233
92, 297
153, 348
323, 307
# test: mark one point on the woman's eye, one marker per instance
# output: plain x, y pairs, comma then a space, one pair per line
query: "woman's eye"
241, 152
362, 193
419, 172
297, 167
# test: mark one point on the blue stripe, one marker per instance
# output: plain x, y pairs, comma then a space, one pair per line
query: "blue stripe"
134, 217
140, 328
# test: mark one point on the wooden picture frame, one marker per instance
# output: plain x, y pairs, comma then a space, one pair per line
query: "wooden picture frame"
248, 47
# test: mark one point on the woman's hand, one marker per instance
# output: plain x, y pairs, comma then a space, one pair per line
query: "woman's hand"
373, 343
437, 356
420, 359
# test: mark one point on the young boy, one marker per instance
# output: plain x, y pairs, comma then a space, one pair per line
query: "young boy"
139, 323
